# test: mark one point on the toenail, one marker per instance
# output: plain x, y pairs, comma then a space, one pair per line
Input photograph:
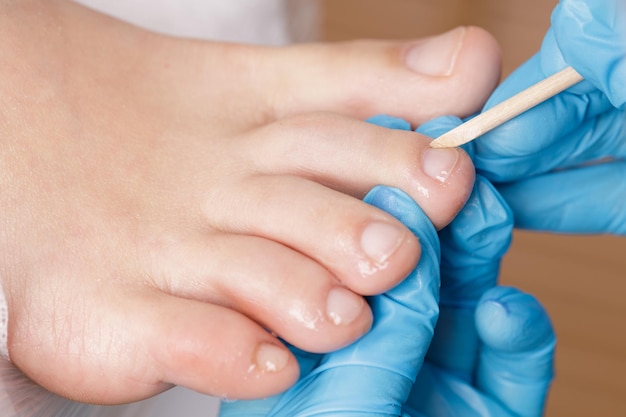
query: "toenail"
343, 306
380, 240
439, 163
271, 358
436, 56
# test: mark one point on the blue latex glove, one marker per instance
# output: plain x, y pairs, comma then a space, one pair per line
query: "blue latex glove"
582, 125
473, 365
483, 360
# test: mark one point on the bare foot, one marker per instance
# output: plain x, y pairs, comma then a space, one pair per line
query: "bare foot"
166, 202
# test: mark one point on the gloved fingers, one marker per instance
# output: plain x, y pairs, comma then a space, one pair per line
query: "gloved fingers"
539, 140
437, 393
516, 362
478, 237
472, 247
581, 26
597, 138
374, 375
543, 138
588, 199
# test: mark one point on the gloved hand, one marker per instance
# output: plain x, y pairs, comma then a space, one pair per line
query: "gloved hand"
483, 360
555, 142
474, 365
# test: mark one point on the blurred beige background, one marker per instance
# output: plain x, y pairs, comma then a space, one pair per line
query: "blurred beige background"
580, 280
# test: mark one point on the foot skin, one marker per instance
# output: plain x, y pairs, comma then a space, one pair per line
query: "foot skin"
166, 202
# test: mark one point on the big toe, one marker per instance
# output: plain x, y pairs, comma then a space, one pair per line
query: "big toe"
449, 74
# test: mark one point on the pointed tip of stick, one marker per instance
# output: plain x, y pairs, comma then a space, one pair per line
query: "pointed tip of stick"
437, 144
447, 140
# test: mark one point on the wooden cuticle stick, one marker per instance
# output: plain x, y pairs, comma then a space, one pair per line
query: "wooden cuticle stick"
508, 109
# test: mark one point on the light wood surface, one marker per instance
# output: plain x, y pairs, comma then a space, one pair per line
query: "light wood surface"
581, 280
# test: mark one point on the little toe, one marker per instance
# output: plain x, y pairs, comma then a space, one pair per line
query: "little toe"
215, 350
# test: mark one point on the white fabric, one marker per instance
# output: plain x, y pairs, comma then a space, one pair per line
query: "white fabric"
271, 22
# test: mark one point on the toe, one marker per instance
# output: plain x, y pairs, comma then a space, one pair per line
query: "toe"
215, 350
450, 74
284, 291
366, 249
353, 156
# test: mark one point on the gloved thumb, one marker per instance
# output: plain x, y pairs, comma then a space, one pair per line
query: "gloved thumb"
599, 26
516, 362
514, 366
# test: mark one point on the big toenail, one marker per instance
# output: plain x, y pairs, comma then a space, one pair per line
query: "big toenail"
436, 56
